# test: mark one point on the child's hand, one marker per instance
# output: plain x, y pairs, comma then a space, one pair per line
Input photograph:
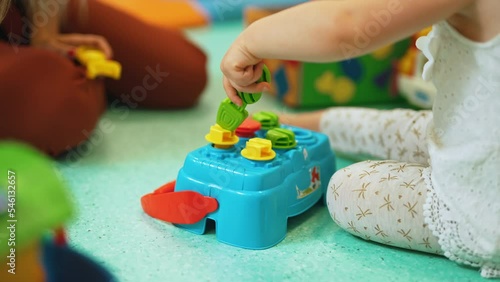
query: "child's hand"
241, 71
65, 43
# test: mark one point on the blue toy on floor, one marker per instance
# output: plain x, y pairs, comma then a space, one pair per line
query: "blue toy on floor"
252, 176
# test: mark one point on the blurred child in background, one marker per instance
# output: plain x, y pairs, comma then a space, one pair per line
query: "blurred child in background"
46, 99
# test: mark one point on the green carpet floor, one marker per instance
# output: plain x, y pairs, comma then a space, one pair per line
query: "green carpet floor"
145, 149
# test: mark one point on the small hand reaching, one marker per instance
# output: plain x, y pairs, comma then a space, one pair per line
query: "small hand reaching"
64, 44
241, 72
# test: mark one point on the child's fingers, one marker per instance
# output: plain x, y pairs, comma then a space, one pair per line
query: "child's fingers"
231, 92
253, 88
249, 75
103, 44
257, 72
96, 41
61, 48
264, 86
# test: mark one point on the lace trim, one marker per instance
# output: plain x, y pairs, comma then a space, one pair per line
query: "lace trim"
429, 45
451, 237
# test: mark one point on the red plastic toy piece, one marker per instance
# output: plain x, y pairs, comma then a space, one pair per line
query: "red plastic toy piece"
60, 237
169, 187
248, 128
183, 207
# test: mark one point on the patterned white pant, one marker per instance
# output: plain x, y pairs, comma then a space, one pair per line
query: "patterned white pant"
381, 201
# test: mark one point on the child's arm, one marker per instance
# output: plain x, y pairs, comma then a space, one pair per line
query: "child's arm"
4, 7
322, 31
46, 33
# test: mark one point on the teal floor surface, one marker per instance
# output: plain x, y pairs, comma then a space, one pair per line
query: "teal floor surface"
145, 149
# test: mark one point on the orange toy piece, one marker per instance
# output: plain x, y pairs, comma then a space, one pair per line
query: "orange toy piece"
97, 64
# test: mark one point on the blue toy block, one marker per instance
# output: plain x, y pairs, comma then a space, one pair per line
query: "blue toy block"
256, 198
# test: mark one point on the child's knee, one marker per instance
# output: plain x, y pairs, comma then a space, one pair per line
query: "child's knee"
338, 183
40, 63
196, 73
187, 81
51, 107
343, 190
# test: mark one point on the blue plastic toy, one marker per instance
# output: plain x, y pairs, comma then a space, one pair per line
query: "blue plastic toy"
252, 176
254, 198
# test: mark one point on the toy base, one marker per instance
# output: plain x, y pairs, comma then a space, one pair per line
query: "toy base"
256, 198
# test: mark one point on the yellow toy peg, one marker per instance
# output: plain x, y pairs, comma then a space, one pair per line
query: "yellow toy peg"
258, 149
220, 137
97, 64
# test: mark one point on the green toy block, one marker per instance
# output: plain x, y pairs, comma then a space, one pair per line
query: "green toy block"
281, 138
249, 98
230, 115
267, 120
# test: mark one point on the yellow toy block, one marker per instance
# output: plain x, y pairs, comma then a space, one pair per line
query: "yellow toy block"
97, 64
220, 137
258, 149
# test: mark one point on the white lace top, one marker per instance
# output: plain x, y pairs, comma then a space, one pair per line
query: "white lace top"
463, 205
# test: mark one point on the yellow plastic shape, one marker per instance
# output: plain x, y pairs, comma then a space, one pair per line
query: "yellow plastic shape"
258, 149
97, 64
221, 137
111, 69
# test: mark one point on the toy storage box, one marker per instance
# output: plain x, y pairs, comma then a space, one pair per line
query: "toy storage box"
361, 81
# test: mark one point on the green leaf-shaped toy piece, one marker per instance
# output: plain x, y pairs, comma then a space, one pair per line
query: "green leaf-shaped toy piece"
230, 115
